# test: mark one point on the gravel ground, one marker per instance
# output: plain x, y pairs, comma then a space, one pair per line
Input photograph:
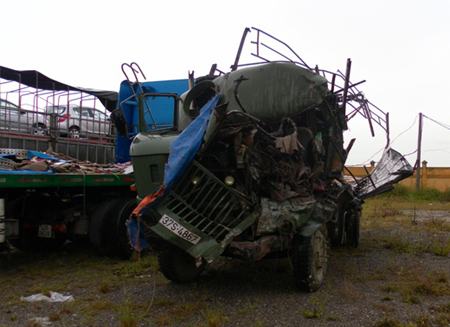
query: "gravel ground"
384, 282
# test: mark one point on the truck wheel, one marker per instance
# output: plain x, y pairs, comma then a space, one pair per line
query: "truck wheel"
107, 230
39, 129
99, 229
310, 260
74, 132
122, 211
336, 230
178, 266
352, 228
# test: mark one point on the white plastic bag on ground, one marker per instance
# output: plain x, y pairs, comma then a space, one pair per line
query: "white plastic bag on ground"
40, 321
54, 297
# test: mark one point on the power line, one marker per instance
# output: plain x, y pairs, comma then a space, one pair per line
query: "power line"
444, 125
411, 126
393, 140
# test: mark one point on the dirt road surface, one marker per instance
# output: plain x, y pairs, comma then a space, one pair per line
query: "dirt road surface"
399, 276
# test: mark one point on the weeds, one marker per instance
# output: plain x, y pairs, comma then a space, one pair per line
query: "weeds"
388, 322
427, 194
126, 315
412, 284
315, 310
315, 313
214, 318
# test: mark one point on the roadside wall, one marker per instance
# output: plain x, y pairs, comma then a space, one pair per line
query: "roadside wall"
431, 177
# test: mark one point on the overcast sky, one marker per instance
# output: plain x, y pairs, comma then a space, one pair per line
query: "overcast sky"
402, 49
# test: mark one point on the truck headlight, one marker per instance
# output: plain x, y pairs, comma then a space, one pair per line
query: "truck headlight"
229, 180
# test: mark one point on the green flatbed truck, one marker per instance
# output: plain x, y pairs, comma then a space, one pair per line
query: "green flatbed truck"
42, 211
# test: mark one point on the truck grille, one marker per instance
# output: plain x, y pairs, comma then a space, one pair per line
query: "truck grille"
203, 201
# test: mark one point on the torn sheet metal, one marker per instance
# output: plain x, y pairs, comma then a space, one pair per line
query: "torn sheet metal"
391, 169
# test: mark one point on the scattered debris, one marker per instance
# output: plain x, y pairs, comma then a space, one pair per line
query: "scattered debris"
52, 162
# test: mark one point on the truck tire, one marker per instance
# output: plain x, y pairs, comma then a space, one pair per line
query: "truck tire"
74, 132
310, 260
99, 228
336, 230
107, 230
352, 228
178, 266
119, 232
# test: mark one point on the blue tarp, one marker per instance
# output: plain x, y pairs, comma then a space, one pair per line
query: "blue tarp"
30, 154
25, 172
187, 144
182, 152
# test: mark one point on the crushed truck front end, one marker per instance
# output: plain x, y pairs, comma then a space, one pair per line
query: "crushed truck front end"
257, 173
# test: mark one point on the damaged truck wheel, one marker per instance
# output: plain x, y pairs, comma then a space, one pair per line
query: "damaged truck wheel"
178, 266
310, 260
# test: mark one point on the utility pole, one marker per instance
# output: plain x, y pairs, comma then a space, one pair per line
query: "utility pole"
419, 151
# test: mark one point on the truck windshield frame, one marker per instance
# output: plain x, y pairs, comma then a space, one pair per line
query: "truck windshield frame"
145, 111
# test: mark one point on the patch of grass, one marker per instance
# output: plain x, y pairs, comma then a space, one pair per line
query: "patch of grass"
347, 290
259, 323
332, 318
410, 298
435, 224
163, 320
427, 194
445, 308
101, 305
440, 248
127, 315
314, 313
390, 288
388, 322
185, 310
163, 302
104, 287
214, 318
54, 316
384, 307
315, 309
413, 284
247, 308
442, 320
142, 266
397, 243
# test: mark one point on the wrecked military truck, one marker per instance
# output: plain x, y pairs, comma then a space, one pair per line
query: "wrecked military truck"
257, 171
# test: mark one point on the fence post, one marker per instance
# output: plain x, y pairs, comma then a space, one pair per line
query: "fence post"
424, 175
419, 150
53, 132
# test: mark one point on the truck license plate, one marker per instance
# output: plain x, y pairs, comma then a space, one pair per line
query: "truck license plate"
45, 231
179, 230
